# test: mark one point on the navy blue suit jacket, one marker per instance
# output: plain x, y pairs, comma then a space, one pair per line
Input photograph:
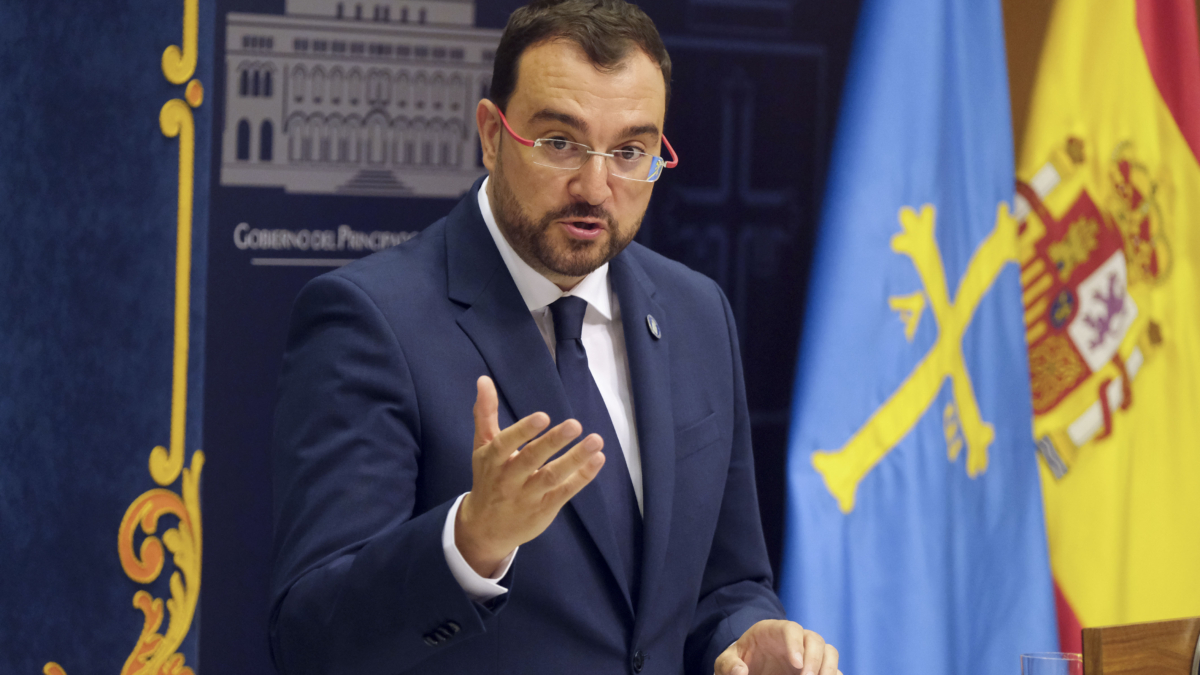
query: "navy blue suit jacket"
373, 442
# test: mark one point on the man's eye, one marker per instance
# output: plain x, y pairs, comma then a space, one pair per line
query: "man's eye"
559, 144
629, 153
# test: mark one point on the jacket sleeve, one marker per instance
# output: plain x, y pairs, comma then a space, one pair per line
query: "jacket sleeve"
359, 583
737, 589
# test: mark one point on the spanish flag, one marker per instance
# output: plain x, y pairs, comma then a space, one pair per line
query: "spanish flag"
1109, 204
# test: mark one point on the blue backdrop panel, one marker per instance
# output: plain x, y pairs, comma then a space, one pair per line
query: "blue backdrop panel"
88, 192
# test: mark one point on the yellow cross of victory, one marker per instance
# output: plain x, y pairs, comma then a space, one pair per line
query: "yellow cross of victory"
844, 469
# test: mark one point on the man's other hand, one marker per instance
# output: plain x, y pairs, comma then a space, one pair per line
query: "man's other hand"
778, 647
515, 494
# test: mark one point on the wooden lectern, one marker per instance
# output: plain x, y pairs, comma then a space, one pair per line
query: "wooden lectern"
1159, 648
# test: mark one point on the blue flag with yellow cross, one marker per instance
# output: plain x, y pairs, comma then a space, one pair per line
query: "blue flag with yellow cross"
915, 541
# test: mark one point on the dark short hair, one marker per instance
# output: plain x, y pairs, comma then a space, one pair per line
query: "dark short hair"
606, 30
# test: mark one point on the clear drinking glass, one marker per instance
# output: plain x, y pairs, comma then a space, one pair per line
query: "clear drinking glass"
1051, 663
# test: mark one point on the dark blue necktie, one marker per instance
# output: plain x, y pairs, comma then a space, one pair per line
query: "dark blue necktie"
588, 407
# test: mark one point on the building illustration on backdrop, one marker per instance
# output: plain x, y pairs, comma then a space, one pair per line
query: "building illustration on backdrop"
339, 97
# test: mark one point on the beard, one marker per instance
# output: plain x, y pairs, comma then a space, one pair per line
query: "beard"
532, 240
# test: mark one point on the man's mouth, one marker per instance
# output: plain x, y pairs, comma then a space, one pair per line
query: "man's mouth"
584, 229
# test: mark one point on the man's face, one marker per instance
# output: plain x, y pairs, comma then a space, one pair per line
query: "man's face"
566, 223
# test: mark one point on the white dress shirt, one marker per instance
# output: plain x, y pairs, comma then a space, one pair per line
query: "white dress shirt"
608, 361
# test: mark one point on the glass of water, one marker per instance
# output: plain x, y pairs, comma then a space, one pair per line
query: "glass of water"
1051, 663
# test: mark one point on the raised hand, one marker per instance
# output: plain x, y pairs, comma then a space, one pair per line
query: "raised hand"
515, 494
776, 648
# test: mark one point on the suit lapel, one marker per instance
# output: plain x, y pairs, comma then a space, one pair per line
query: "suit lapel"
649, 367
499, 324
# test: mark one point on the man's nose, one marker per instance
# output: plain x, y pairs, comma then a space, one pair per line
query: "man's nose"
591, 181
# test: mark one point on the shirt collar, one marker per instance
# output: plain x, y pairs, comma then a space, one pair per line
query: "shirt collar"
536, 290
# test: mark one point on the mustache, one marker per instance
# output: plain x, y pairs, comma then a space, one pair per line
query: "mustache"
581, 210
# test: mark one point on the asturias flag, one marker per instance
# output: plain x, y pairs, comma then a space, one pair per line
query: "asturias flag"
1110, 251
915, 537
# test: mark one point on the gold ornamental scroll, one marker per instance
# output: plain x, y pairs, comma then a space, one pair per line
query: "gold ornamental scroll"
156, 651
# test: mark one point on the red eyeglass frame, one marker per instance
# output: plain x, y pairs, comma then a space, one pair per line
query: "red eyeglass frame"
526, 142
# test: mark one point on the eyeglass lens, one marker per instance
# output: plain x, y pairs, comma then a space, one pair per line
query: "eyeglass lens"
627, 162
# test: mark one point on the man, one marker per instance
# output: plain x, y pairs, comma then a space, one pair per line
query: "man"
598, 515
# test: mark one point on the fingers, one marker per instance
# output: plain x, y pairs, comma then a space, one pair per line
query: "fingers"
510, 439
814, 654
515, 454
486, 411
793, 644
829, 666
779, 646
728, 663
537, 452
567, 475
549, 475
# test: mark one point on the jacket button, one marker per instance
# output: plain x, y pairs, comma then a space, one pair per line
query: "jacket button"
639, 660
441, 633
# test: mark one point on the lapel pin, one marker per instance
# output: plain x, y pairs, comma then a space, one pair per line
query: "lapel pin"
653, 326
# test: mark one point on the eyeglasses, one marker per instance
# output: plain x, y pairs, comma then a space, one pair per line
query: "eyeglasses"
629, 162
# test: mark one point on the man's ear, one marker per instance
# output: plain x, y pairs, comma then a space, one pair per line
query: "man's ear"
487, 118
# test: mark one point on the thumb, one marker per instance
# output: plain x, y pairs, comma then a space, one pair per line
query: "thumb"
486, 410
